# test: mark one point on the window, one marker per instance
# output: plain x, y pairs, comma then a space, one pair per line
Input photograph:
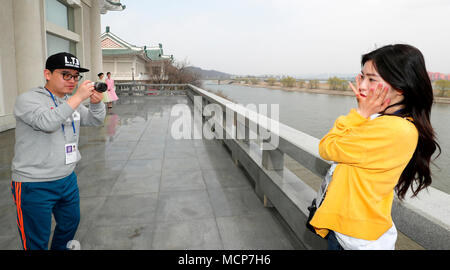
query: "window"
60, 14
56, 45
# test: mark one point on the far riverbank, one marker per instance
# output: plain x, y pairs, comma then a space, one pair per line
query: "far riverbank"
323, 89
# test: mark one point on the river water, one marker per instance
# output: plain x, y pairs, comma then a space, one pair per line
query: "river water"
315, 114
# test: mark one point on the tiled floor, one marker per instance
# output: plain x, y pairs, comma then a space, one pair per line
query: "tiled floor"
142, 189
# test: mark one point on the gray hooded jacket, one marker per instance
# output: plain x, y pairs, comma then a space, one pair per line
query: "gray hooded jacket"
39, 153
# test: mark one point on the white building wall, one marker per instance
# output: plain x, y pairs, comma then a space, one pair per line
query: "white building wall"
108, 66
121, 68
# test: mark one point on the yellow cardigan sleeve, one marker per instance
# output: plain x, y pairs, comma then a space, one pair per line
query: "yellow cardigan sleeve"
343, 142
356, 140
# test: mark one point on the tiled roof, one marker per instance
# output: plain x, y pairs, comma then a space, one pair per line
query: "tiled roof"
113, 45
110, 44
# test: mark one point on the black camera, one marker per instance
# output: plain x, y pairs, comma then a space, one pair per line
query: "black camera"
100, 87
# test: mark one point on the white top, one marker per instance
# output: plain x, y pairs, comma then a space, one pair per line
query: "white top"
385, 242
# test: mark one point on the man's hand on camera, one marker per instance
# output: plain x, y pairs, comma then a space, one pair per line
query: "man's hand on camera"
96, 97
84, 92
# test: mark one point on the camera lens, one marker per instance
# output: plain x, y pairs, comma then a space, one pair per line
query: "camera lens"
100, 87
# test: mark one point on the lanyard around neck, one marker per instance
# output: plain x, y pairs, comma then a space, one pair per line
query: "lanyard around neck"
398, 112
62, 125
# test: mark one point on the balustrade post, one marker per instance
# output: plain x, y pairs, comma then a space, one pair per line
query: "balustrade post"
243, 130
273, 159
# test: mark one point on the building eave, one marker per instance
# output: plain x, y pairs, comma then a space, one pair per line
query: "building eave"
121, 41
110, 5
126, 52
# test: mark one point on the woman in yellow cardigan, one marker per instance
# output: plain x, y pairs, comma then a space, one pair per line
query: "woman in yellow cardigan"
384, 145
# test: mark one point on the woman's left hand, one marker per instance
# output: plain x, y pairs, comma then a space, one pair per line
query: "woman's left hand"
374, 102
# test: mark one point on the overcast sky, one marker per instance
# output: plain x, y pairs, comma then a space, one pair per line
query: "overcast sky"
285, 37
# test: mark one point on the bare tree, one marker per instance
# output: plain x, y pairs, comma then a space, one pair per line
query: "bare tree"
178, 73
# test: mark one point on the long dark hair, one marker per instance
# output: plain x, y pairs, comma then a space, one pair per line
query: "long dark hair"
403, 67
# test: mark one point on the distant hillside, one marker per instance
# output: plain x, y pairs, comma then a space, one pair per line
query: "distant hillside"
215, 75
326, 76
210, 74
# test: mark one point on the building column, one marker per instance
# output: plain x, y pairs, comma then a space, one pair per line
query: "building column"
29, 44
8, 82
96, 48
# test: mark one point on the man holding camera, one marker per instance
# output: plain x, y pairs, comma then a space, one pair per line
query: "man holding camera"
46, 152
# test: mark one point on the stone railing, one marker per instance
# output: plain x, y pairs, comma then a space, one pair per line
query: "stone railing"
138, 89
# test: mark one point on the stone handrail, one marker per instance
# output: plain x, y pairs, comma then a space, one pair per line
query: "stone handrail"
140, 88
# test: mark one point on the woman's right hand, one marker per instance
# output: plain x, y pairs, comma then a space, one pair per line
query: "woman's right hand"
374, 102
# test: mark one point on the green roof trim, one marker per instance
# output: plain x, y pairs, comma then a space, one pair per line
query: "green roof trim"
118, 51
154, 54
157, 54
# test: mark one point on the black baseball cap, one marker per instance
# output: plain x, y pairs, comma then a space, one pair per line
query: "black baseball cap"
64, 61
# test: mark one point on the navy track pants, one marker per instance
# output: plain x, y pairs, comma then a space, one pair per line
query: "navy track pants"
35, 204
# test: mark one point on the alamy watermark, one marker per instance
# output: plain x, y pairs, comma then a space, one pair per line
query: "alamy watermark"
230, 121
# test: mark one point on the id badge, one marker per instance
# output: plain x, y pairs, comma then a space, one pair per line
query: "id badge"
71, 153
76, 116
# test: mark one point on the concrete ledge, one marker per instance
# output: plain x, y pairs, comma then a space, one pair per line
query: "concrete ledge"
7, 122
316, 165
425, 219
289, 195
